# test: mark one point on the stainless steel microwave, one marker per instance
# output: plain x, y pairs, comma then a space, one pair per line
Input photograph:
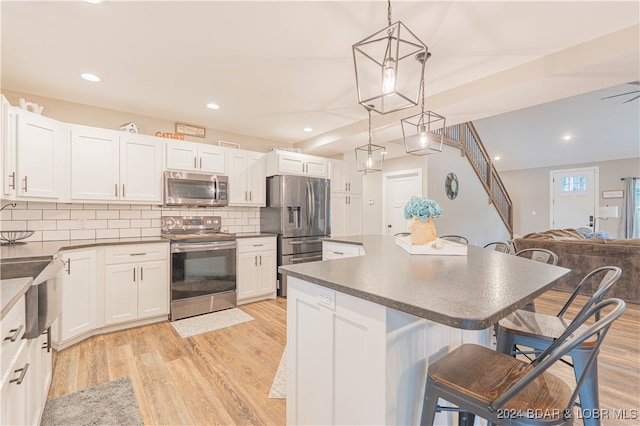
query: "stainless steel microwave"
195, 189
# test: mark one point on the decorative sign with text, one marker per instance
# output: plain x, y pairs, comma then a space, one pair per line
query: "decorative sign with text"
170, 135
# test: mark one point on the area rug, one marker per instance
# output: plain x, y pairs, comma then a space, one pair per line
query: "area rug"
279, 385
110, 403
209, 322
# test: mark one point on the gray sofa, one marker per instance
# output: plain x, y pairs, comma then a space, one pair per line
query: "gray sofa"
583, 255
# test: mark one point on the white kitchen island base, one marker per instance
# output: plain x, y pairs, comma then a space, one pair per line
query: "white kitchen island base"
352, 361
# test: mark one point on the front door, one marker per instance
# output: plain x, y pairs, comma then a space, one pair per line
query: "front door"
398, 188
574, 195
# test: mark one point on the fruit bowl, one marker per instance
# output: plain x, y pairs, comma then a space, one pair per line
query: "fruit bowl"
12, 237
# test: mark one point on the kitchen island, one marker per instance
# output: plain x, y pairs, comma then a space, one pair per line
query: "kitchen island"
361, 331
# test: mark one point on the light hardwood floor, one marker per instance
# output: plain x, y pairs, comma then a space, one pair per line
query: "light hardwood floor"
224, 377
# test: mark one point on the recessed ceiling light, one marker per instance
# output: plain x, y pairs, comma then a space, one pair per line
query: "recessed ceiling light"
566, 137
90, 77
307, 129
94, 1
213, 106
497, 158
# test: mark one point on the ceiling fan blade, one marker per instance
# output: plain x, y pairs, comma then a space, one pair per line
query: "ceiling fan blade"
632, 99
621, 94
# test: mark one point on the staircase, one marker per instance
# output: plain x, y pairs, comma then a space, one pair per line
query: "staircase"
465, 137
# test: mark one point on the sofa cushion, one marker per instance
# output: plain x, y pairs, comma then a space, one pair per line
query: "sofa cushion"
557, 234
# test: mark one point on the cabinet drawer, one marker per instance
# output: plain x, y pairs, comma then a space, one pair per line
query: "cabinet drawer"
246, 245
135, 253
13, 325
337, 250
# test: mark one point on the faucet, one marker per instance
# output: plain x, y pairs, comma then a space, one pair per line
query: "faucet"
7, 205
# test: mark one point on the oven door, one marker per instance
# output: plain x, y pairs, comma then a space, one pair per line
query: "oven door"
202, 269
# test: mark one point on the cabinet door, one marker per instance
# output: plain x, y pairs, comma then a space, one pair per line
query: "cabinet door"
182, 155
34, 401
238, 162
290, 164
153, 289
78, 294
94, 164
337, 176
353, 215
338, 209
317, 167
211, 159
267, 272
140, 168
8, 135
40, 155
247, 275
46, 368
256, 179
120, 293
14, 396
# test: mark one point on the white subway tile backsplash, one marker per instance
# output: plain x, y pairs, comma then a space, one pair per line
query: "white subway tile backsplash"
36, 237
83, 234
56, 214
55, 235
26, 214
78, 221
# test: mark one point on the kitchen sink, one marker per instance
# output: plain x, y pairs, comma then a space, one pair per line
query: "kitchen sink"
43, 300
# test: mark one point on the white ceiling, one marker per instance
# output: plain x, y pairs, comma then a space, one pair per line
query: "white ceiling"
276, 67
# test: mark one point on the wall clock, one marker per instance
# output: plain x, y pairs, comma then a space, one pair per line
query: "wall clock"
451, 186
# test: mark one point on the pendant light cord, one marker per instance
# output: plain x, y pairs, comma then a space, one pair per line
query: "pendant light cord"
389, 12
369, 109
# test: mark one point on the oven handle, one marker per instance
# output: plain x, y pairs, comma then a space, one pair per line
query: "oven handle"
294, 243
306, 259
191, 247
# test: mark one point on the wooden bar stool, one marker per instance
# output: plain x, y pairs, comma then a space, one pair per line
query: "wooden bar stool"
538, 331
508, 391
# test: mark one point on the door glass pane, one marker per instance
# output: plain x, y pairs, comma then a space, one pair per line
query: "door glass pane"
574, 184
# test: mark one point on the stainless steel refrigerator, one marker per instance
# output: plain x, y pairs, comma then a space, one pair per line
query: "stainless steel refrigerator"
298, 210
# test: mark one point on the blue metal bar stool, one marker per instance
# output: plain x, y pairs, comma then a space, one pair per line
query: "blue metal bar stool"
538, 331
508, 391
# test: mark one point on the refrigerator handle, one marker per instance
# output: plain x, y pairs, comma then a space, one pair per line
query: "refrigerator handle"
313, 205
308, 205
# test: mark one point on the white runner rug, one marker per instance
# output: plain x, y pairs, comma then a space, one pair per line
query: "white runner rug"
209, 322
279, 386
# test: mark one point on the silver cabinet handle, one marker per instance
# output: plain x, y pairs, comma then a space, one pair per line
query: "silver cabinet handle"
16, 333
255, 260
123, 191
116, 189
69, 266
134, 274
21, 378
195, 163
200, 163
12, 185
349, 186
260, 260
338, 253
345, 186
137, 254
141, 273
258, 245
24, 188
246, 198
250, 196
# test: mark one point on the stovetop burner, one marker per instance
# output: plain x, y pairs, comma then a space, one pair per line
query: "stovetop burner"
194, 228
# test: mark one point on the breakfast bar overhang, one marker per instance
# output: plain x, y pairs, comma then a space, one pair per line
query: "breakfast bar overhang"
361, 331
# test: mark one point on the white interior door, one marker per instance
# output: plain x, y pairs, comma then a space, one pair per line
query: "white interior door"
574, 194
397, 189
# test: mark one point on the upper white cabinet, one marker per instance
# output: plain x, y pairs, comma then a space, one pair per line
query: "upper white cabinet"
293, 163
8, 135
345, 176
191, 156
246, 178
41, 160
113, 165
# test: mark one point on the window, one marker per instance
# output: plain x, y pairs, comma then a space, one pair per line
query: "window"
574, 184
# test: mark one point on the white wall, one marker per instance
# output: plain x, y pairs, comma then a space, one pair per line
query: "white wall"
470, 213
529, 191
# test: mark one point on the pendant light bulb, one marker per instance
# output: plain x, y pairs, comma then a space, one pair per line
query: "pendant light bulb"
369, 161
424, 137
389, 76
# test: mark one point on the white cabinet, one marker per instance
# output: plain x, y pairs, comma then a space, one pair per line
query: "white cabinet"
191, 156
8, 140
345, 176
41, 157
247, 183
346, 214
14, 374
78, 279
110, 165
256, 269
293, 163
334, 250
136, 282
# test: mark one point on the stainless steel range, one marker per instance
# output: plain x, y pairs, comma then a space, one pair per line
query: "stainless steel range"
203, 265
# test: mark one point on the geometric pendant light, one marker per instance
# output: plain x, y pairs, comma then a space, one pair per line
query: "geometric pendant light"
388, 68
423, 133
369, 157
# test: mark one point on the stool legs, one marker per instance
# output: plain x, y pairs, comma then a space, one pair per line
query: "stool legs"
430, 405
589, 400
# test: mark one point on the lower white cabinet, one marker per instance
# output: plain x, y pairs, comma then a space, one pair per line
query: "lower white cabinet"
335, 250
256, 269
136, 282
15, 392
346, 214
78, 313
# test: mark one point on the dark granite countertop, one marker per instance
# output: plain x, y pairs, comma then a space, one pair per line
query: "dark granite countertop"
46, 249
469, 292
